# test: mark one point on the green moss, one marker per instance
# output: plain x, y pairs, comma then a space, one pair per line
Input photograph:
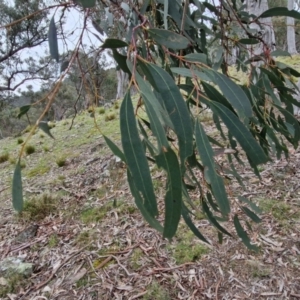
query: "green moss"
157, 292
53, 241
135, 259
96, 214
279, 209
41, 168
257, 269
187, 248
14, 282
37, 208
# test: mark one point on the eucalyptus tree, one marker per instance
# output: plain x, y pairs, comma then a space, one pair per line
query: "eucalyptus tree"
291, 38
163, 46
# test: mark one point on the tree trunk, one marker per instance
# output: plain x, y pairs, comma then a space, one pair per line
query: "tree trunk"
122, 84
264, 29
291, 39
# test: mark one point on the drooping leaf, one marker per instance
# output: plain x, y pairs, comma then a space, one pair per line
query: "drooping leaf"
17, 189
233, 92
140, 204
169, 39
196, 57
191, 225
251, 214
190, 73
23, 110
167, 160
173, 198
280, 12
97, 27
113, 44
206, 154
212, 219
46, 128
114, 148
243, 234
175, 105
121, 61
253, 150
52, 38
135, 155
86, 3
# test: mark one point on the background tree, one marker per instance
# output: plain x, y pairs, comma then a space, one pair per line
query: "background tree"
290, 22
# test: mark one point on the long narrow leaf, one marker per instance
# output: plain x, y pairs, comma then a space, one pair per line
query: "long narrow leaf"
241, 133
167, 159
233, 92
175, 105
17, 189
243, 234
206, 153
52, 37
135, 155
140, 204
191, 225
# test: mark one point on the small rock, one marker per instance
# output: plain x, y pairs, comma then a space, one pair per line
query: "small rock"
27, 234
15, 265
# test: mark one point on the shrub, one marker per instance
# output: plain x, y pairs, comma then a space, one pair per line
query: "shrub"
29, 149
4, 157
61, 161
110, 116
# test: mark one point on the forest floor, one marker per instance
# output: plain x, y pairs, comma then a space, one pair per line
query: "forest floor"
86, 239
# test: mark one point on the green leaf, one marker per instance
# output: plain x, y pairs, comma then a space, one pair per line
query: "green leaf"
175, 105
280, 12
64, 65
17, 189
233, 92
86, 3
251, 214
253, 150
52, 37
212, 219
121, 61
206, 154
173, 198
196, 57
243, 234
114, 148
190, 73
113, 44
23, 110
46, 128
191, 225
280, 53
248, 41
135, 155
140, 204
167, 159
169, 39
